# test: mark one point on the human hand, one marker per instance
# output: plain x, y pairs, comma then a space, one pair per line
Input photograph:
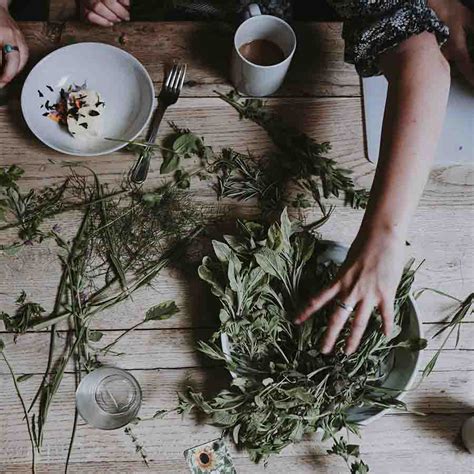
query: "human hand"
105, 12
368, 278
460, 20
15, 60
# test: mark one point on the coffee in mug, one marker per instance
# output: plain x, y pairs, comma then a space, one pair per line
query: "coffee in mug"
262, 52
264, 46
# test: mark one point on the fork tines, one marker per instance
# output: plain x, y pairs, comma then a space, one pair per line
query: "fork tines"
175, 78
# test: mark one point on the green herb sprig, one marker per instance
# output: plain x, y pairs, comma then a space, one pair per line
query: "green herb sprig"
463, 310
301, 160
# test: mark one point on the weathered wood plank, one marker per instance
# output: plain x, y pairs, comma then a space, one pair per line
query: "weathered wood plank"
318, 68
406, 462
176, 348
450, 269
337, 120
393, 435
441, 392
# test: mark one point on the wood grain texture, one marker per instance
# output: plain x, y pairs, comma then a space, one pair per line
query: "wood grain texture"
396, 435
322, 98
318, 68
405, 463
175, 348
337, 120
450, 268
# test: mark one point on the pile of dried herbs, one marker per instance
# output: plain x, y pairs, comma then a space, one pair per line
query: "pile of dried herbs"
125, 238
283, 387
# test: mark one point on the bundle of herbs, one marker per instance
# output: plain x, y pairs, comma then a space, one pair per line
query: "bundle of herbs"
283, 387
300, 161
125, 238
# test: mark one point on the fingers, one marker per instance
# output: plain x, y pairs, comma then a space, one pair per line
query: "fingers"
359, 324
11, 67
96, 19
338, 319
125, 3
335, 325
24, 55
317, 303
118, 9
386, 309
14, 62
106, 12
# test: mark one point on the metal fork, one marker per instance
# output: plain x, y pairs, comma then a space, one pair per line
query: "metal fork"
169, 95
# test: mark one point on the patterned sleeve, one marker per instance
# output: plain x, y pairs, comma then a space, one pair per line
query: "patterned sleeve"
374, 26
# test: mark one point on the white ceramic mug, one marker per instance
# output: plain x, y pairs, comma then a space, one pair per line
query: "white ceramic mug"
253, 79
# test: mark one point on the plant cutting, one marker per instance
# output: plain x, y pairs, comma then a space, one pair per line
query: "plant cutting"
283, 387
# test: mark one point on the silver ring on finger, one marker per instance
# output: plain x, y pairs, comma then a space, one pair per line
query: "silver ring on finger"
9, 48
344, 306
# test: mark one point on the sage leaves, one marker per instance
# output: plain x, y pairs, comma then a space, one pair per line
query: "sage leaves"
180, 145
283, 388
161, 311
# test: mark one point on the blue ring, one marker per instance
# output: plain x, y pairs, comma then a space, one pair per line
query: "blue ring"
8, 48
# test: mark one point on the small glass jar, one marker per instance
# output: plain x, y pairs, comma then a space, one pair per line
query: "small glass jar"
108, 398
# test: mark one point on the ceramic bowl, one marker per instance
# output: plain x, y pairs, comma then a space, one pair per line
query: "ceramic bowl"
404, 364
121, 80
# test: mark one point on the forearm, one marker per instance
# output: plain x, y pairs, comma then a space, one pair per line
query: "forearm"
419, 81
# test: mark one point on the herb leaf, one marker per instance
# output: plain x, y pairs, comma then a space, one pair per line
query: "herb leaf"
162, 311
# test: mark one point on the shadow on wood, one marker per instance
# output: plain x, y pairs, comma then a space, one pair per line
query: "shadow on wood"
210, 45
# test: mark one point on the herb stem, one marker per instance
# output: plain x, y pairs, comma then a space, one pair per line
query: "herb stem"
71, 441
25, 411
107, 348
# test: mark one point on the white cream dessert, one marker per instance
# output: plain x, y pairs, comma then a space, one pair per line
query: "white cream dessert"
84, 113
79, 109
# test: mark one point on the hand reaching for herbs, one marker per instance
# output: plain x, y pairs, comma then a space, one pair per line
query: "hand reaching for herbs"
105, 12
14, 50
419, 78
460, 21
369, 278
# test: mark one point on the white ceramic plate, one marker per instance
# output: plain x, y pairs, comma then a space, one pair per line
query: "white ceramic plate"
405, 363
119, 78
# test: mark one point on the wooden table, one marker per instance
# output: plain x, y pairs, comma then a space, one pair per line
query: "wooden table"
322, 96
